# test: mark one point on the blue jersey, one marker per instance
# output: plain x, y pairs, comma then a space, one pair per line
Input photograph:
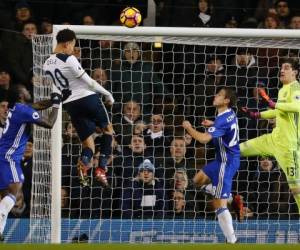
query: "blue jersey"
16, 132
225, 133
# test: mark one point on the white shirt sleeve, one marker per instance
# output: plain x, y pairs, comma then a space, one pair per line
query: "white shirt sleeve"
75, 66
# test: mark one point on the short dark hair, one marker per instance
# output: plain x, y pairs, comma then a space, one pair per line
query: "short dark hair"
65, 35
229, 94
292, 61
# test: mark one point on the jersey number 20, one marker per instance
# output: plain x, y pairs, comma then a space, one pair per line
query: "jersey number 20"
60, 81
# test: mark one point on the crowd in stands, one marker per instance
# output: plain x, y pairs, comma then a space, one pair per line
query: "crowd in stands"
154, 161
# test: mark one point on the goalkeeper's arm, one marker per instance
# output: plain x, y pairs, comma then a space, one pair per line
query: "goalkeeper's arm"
268, 114
292, 107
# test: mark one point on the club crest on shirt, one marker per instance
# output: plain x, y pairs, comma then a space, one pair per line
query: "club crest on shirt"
297, 97
211, 129
35, 115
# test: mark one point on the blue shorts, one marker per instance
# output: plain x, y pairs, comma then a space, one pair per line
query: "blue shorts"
10, 172
221, 175
86, 114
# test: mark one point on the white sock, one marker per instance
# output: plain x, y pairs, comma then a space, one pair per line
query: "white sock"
225, 222
208, 189
6, 204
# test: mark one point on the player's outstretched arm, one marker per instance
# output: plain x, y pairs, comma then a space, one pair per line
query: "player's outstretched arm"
266, 98
96, 87
48, 121
269, 114
41, 105
201, 137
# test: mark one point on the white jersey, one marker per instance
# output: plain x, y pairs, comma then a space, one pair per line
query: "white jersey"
65, 71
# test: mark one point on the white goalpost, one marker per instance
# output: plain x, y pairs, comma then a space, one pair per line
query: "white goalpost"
182, 67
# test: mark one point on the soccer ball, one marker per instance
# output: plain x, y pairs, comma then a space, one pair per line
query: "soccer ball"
130, 17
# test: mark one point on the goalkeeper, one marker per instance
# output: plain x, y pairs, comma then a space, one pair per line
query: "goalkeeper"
284, 141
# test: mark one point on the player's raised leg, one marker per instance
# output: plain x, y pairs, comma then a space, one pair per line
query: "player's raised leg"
105, 153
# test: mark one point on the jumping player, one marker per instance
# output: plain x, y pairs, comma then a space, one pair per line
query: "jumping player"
83, 104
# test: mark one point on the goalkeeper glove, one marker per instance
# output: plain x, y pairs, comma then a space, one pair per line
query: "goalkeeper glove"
250, 114
56, 99
266, 98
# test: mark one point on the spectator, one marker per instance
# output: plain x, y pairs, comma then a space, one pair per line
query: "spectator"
213, 78
144, 196
283, 12
106, 54
180, 180
177, 160
242, 73
295, 22
271, 21
124, 124
100, 75
23, 15
157, 142
46, 26
5, 78
21, 63
137, 80
70, 135
88, 20
231, 22
126, 165
179, 207
205, 14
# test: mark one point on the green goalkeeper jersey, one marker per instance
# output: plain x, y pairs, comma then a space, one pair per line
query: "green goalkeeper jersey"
287, 112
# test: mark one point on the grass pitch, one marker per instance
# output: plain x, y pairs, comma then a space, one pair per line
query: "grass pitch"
86, 246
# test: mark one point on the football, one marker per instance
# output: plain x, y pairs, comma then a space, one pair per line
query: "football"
130, 17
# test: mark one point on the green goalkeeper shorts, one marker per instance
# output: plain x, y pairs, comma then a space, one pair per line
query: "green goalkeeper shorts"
288, 160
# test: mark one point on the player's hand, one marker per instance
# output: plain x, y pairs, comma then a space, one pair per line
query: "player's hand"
65, 94
186, 124
266, 98
109, 100
55, 99
207, 123
250, 114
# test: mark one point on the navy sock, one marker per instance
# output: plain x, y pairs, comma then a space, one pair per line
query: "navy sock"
86, 155
105, 150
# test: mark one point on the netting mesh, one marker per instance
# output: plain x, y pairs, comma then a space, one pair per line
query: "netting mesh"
155, 89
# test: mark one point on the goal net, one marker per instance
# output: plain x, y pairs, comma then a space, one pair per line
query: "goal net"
160, 77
